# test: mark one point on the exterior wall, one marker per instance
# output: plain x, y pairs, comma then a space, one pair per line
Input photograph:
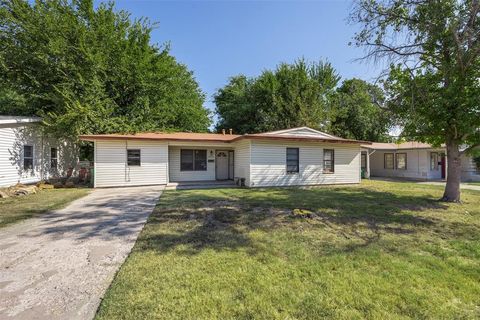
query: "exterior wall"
242, 161
469, 169
418, 165
268, 164
111, 167
174, 165
12, 140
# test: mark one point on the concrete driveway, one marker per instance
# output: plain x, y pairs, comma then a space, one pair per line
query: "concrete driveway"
59, 265
465, 186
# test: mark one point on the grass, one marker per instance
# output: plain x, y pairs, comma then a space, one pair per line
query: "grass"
474, 183
381, 250
16, 209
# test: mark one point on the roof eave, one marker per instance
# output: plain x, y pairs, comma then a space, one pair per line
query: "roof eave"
298, 138
247, 136
93, 138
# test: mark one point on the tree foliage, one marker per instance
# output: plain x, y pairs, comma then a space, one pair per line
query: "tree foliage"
292, 95
303, 94
433, 83
92, 70
359, 112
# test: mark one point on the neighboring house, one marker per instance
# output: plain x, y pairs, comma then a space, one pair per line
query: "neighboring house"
299, 156
412, 160
27, 155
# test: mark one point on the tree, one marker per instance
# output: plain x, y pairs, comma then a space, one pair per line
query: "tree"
359, 112
292, 95
87, 70
433, 48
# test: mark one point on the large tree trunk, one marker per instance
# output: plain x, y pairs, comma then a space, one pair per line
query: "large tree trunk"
454, 171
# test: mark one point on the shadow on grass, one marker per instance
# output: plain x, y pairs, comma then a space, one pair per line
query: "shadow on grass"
106, 217
191, 221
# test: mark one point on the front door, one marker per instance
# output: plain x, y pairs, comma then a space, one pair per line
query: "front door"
221, 165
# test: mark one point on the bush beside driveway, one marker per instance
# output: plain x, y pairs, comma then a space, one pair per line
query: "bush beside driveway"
380, 250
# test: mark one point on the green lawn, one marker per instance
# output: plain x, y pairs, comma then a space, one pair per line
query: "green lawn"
474, 183
381, 250
19, 208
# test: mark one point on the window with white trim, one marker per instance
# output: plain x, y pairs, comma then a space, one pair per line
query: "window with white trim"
293, 160
328, 161
388, 161
27, 157
53, 158
133, 157
193, 160
401, 159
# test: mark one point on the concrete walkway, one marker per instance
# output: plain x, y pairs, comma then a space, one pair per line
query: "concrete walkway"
58, 266
431, 183
463, 186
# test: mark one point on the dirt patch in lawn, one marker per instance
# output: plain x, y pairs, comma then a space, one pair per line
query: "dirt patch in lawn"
222, 224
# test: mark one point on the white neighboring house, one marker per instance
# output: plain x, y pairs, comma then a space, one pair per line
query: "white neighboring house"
412, 160
27, 155
293, 157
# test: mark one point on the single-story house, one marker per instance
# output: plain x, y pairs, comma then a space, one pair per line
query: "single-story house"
27, 155
412, 160
292, 157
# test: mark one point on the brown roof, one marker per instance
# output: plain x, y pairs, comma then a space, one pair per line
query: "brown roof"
212, 137
399, 146
175, 136
292, 137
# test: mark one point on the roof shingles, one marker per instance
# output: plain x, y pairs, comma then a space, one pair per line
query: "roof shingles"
213, 137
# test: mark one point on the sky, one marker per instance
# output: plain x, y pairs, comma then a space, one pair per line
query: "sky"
220, 39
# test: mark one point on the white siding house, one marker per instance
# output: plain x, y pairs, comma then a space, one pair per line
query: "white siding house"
470, 170
299, 156
242, 160
268, 164
27, 155
211, 149
422, 162
111, 169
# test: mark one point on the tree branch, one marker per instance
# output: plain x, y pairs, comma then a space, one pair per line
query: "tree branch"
467, 150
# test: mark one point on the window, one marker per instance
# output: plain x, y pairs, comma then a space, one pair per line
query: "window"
476, 164
401, 161
328, 161
292, 160
200, 160
53, 158
133, 157
27, 157
193, 160
388, 161
434, 161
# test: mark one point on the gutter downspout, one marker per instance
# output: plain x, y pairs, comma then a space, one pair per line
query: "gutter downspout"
127, 169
